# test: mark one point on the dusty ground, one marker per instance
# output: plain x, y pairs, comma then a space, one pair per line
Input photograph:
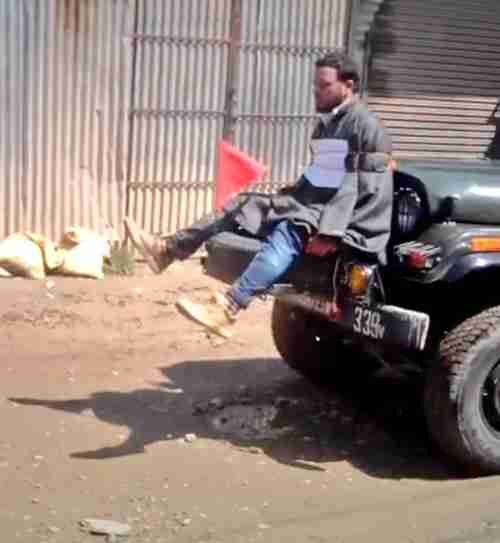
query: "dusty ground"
102, 383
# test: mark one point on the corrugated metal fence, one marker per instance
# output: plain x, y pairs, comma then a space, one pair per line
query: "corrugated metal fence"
108, 104
64, 90
180, 64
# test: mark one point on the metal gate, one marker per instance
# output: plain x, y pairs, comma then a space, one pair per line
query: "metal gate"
220, 68
435, 77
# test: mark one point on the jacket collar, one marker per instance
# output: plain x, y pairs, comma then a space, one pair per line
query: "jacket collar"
339, 110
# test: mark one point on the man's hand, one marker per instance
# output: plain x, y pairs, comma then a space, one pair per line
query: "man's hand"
321, 245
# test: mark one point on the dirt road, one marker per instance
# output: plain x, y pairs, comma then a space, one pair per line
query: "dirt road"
113, 406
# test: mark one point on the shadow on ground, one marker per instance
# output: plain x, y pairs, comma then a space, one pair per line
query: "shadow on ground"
376, 425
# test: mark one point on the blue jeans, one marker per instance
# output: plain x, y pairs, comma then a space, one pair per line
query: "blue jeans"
279, 251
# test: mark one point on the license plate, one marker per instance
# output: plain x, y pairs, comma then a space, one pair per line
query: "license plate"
387, 323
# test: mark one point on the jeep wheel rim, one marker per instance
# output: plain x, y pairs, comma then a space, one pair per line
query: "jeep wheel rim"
490, 401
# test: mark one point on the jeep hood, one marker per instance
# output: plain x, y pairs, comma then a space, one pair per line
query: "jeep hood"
474, 185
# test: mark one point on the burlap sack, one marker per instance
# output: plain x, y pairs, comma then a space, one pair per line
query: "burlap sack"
83, 253
21, 256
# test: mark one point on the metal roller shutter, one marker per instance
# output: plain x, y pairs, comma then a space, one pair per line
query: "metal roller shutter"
434, 76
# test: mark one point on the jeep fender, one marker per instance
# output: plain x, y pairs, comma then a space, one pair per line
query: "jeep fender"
457, 259
472, 262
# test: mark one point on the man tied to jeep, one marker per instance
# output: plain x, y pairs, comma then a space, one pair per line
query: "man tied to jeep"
343, 197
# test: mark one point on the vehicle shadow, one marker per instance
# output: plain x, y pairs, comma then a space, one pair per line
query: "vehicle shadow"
375, 424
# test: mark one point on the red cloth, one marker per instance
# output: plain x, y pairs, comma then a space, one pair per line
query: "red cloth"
235, 171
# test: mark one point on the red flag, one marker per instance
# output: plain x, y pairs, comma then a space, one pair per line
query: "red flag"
235, 171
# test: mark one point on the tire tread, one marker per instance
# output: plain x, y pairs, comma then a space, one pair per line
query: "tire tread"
445, 381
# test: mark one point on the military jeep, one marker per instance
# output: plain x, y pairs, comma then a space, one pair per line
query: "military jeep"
433, 310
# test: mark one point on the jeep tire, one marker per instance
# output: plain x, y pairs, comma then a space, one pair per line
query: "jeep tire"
462, 396
307, 343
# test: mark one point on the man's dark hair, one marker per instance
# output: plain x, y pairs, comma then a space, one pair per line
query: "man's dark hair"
345, 66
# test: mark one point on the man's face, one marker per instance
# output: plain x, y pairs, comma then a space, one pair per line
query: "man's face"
329, 91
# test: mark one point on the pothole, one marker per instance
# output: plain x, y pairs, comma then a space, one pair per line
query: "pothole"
251, 422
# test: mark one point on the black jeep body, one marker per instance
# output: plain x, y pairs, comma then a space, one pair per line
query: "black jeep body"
435, 307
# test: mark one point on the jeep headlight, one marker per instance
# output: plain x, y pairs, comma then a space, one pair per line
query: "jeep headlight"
408, 211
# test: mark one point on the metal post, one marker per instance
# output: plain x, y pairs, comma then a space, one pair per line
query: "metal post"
232, 77
130, 116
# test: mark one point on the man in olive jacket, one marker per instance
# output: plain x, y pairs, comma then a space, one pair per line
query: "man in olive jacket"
344, 196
